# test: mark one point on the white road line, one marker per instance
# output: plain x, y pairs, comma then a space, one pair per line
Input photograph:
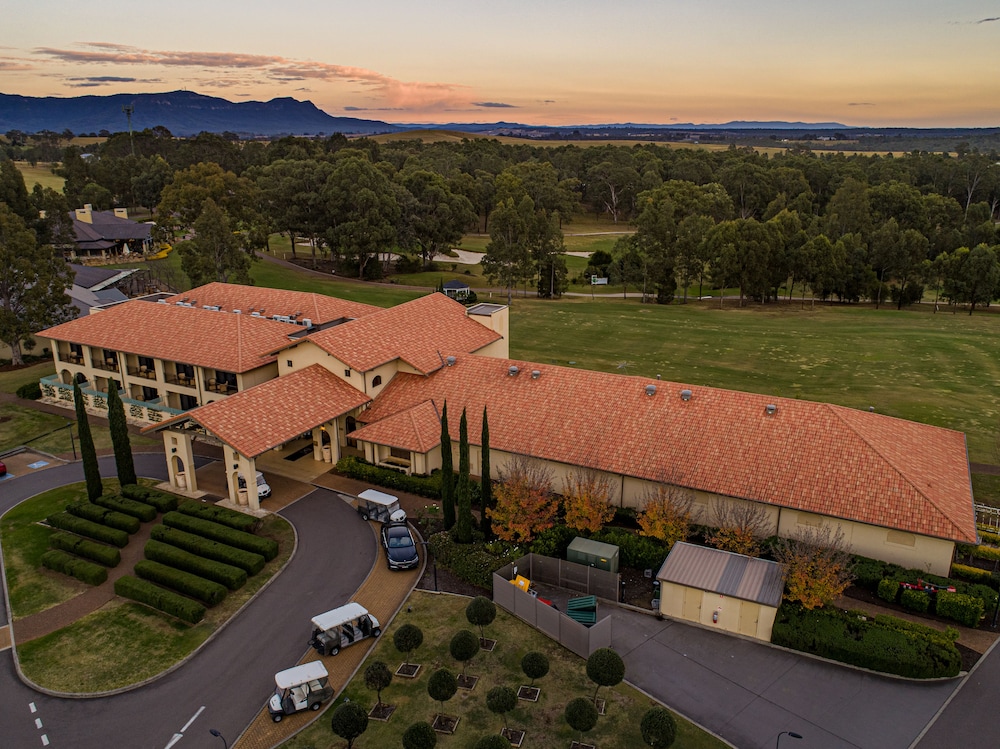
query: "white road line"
45, 740
38, 722
193, 719
177, 737
32, 708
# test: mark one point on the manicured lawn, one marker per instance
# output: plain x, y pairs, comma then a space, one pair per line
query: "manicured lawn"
39, 174
23, 425
10, 381
440, 617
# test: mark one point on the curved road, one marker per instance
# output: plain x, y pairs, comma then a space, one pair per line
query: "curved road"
226, 683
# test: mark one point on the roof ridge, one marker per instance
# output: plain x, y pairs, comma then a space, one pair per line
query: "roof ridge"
836, 411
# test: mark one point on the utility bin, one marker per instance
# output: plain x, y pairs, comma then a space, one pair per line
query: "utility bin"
593, 554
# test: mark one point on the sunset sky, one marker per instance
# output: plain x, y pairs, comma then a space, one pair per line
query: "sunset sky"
917, 63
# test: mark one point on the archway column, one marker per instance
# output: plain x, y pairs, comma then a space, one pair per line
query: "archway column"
179, 449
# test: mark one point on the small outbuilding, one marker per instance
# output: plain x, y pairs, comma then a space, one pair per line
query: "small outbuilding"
720, 589
457, 289
592, 553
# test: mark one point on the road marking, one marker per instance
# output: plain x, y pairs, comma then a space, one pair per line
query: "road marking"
38, 722
177, 737
32, 708
45, 740
193, 719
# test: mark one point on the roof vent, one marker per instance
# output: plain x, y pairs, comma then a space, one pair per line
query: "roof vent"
535, 374
650, 389
512, 370
685, 395
237, 311
450, 361
771, 409
657, 377
255, 314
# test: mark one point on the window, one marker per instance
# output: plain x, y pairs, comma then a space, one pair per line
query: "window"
288, 363
347, 373
901, 538
188, 402
395, 452
376, 381
807, 518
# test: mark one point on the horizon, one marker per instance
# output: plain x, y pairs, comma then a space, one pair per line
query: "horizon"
889, 64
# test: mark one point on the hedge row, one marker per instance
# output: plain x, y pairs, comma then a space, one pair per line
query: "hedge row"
223, 515
266, 547
858, 639
967, 610
139, 510
162, 501
232, 577
868, 573
206, 591
423, 486
960, 607
66, 522
109, 556
990, 553
104, 516
988, 537
972, 574
204, 547
165, 600
81, 569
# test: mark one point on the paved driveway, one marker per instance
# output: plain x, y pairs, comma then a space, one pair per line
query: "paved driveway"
225, 684
748, 693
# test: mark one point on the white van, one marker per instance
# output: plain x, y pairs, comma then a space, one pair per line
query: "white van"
340, 627
263, 488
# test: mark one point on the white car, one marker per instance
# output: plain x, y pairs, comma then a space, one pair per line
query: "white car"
263, 488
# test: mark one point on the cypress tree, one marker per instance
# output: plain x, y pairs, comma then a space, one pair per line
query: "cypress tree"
463, 531
447, 473
486, 487
91, 471
119, 436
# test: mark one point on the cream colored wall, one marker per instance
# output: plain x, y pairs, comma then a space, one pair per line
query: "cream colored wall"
386, 371
499, 349
498, 322
307, 353
734, 614
247, 380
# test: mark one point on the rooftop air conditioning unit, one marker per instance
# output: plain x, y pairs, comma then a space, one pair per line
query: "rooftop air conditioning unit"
307, 322
685, 395
512, 370
650, 389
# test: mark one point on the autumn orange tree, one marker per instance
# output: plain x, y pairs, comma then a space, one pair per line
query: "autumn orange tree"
739, 527
817, 565
666, 512
524, 504
586, 499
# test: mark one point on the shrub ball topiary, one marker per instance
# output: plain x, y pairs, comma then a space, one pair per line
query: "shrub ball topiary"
605, 668
481, 612
442, 686
658, 727
493, 741
581, 715
464, 646
349, 721
535, 665
420, 735
408, 638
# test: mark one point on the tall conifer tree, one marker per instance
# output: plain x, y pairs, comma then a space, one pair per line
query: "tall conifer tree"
119, 436
486, 487
463, 530
447, 473
91, 471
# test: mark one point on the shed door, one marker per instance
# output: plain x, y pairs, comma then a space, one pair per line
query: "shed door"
749, 613
692, 605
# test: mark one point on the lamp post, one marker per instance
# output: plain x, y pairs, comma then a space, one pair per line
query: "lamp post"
777, 743
218, 734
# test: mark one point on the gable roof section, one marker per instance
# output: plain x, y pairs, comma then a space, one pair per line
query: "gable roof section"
106, 228
305, 305
416, 332
269, 414
807, 456
217, 340
417, 429
94, 278
723, 572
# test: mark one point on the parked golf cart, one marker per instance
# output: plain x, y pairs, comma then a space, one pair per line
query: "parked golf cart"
304, 687
375, 505
341, 627
263, 488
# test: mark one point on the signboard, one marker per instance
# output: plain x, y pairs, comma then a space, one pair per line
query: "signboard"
595, 281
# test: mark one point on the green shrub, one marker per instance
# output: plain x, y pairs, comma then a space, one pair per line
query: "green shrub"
165, 600
104, 516
238, 520
162, 501
66, 522
31, 391
266, 547
990, 553
554, 542
423, 486
915, 600
973, 574
967, 610
639, 552
888, 590
109, 556
206, 591
868, 572
232, 577
204, 547
83, 570
139, 510
474, 563
858, 639
988, 537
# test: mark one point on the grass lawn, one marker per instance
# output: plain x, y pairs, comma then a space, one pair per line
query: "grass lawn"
121, 643
23, 425
11, 380
440, 617
41, 174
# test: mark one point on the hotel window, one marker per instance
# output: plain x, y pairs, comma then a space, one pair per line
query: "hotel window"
376, 381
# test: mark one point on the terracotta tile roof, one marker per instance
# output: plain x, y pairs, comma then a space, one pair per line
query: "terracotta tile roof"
306, 305
415, 331
417, 429
807, 456
217, 340
275, 411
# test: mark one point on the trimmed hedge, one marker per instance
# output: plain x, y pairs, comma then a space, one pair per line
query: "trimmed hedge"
972, 574
206, 591
66, 522
139, 510
990, 553
232, 577
104, 516
31, 391
888, 590
83, 570
109, 556
915, 600
877, 643
162, 501
165, 600
204, 547
967, 610
223, 515
266, 547
638, 552
423, 486
987, 537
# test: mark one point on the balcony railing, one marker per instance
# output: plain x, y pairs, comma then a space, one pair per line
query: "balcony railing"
221, 387
142, 371
182, 379
108, 365
152, 411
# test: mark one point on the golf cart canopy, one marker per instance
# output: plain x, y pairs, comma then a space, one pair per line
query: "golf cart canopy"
292, 677
336, 617
377, 497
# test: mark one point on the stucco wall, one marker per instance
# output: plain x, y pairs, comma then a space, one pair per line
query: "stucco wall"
731, 614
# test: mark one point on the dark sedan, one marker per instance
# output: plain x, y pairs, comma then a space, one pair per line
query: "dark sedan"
400, 550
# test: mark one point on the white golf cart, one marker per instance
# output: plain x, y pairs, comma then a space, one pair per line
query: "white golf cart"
304, 687
341, 627
375, 505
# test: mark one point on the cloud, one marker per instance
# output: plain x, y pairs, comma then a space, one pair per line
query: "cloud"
493, 105
14, 65
374, 109
860, 104
987, 20
95, 79
396, 93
